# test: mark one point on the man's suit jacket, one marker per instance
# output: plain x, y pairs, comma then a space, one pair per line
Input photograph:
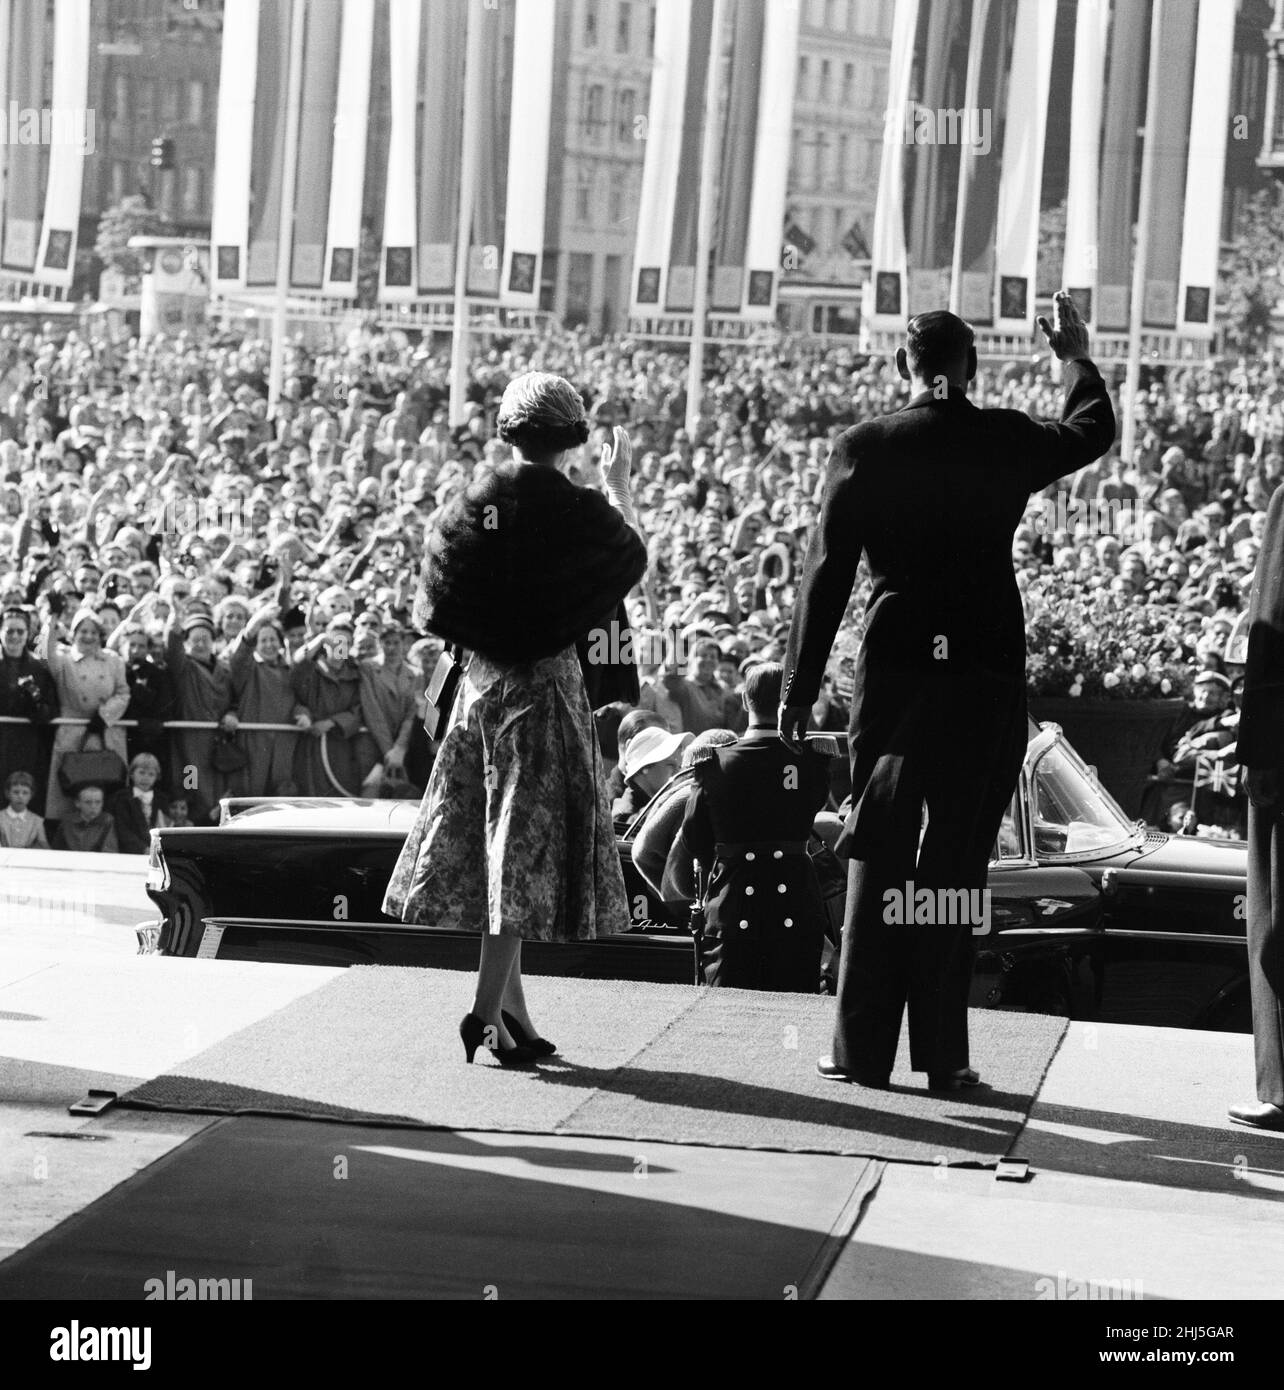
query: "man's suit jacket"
933, 495
1261, 719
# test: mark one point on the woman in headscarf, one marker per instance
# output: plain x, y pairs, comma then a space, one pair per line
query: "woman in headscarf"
514, 836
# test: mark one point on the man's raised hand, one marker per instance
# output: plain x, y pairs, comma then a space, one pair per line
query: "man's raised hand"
1067, 335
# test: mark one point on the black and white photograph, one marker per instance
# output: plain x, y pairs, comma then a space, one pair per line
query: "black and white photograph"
641, 659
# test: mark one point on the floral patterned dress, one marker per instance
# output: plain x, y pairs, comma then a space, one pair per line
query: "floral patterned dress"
514, 833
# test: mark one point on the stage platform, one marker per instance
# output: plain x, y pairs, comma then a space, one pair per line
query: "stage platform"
1135, 1176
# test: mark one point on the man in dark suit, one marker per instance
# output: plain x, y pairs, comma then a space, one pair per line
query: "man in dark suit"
1261, 755
932, 495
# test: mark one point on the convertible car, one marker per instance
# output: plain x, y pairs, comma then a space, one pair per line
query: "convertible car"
1092, 916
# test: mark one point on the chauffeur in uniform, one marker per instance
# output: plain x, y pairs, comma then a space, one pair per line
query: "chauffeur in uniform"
746, 825
1261, 754
932, 495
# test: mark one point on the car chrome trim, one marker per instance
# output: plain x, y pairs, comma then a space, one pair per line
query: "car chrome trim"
328, 924
1215, 939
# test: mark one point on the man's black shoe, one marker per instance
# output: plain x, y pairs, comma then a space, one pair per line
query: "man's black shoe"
1259, 1113
831, 1071
960, 1080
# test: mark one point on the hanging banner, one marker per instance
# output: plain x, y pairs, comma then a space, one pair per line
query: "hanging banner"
1087, 94
1206, 169
29, 41
348, 158
980, 160
771, 160
1171, 147
534, 38
1021, 180
234, 145
71, 135
664, 130
888, 267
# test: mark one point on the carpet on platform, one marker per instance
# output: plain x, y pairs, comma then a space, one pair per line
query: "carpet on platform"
666, 1063
414, 1214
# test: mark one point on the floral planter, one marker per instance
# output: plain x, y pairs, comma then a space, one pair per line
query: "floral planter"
1122, 739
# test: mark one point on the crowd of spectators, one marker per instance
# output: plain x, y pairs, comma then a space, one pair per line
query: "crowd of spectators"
171, 552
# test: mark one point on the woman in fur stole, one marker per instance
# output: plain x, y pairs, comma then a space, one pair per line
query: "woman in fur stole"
514, 836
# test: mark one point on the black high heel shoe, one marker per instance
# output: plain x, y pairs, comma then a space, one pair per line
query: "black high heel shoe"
473, 1031
540, 1047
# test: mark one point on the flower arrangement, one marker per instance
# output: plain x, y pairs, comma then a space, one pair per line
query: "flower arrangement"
1097, 644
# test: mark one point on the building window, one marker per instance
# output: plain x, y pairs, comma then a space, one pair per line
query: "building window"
583, 195
169, 102
849, 83
119, 173
650, 34
590, 23
192, 190
145, 92
196, 101
548, 283
579, 288
824, 94
615, 197
804, 78
625, 113
840, 163
121, 84
623, 25
816, 14
878, 88
594, 111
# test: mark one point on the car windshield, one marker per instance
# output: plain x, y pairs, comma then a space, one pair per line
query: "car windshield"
1072, 813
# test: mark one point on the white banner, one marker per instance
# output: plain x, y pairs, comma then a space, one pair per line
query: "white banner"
234, 145
1021, 179
528, 136
660, 167
348, 171
889, 264
771, 159
1206, 169
73, 136
1080, 267
397, 266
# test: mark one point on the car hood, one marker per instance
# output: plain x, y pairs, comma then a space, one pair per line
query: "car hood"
337, 814
1187, 854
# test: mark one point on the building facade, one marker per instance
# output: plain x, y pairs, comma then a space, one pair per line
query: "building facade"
153, 73
595, 177
840, 104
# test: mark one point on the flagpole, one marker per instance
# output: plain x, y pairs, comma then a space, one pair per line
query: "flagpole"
474, 54
1142, 257
289, 173
706, 211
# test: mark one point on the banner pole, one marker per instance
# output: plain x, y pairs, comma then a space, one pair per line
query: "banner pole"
705, 218
289, 173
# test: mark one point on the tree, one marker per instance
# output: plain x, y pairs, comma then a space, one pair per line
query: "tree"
1253, 269
130, 217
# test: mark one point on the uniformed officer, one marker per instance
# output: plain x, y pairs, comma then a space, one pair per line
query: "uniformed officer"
746, 827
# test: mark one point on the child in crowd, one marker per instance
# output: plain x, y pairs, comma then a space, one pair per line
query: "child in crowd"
19, 827
89, 828
139, 808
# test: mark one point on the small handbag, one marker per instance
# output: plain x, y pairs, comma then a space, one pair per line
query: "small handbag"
443, 686
227, 755
100, 767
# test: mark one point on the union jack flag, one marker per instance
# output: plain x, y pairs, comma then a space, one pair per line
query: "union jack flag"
1214, 774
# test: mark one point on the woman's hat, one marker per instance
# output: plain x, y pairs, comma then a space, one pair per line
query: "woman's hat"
651, 746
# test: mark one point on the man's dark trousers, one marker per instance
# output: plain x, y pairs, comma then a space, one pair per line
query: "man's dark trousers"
958, 747
1266, 948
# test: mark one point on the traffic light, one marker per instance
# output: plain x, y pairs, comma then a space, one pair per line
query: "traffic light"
162, 152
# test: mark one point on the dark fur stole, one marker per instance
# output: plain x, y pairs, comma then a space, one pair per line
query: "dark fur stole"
523, 563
